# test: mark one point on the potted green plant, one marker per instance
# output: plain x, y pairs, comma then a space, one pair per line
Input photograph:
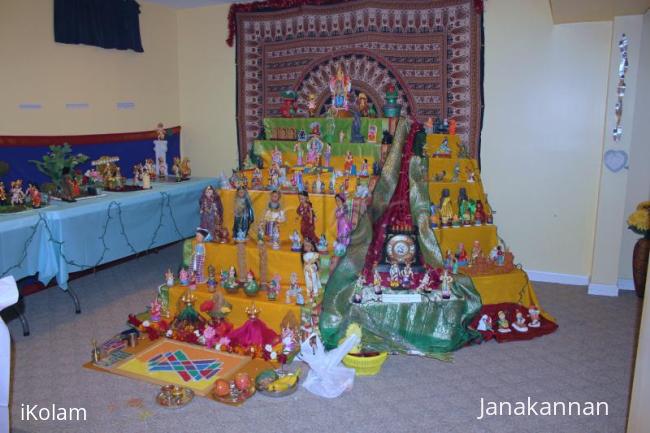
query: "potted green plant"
58, 160
639, 222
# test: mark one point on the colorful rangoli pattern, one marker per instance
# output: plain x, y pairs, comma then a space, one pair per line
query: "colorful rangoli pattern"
186, 368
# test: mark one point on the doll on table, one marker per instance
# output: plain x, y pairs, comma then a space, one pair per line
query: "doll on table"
343, 226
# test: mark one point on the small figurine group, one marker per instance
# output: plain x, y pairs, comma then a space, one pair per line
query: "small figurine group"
470, 211
400, 278
520, 324
440, 126
182, 169
18, 197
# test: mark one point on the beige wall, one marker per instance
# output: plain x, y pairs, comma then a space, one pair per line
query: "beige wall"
545, 91
207, 90
35, 69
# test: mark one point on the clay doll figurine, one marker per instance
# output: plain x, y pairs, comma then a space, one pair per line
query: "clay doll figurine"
169, 278
448, 260
484, 323
300, 298
184, 277
155, 309
212, 278
297, 149
313, 154
276, 156
230, 281
533, 315
296, 241
452, 127
327, 155
3, 193
322, 244
362, 104
35, 196
211, 213
275, 238
446, 282
307, 218
461, 255
424, 284
502, 322
162, 168
364, 168
343, 226
293, 290
310, 258
394, 275
274, 288
456, 176
348, 162
251, 288
17, 193
407, 276
443, 149
318, 185
433, 219
476, 251
446, 212
519, 324
376, 279
198, 257
256, 179
479, 214
311, 105
244, 215
471, 175
186, 169
273, 217
260, 234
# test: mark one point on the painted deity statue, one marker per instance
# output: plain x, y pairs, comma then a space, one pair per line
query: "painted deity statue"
211, 213
310, 259
297, 148
273, 217
17, 193
307, 218
313, 155
244, 214
340, 86
327, 155
343, 226
276, 156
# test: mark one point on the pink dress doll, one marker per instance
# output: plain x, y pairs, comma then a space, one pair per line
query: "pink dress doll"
343, 226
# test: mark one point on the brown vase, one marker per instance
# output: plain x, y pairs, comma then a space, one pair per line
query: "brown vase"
640, 265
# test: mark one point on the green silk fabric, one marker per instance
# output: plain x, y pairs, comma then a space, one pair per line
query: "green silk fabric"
427, 328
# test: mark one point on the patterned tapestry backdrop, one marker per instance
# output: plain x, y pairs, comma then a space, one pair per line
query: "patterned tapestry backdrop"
429, 49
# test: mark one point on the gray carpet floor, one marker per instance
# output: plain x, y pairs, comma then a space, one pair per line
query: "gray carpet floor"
588, 359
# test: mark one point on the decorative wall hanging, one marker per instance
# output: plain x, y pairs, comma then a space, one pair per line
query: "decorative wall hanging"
430, 50
617, 133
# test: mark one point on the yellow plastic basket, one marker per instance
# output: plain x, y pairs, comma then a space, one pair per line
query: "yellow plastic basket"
365, 365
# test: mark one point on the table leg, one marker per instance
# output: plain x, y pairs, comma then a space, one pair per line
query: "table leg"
23, 320
75, 299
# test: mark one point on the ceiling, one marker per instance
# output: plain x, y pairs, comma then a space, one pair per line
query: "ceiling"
571, 11
185, 4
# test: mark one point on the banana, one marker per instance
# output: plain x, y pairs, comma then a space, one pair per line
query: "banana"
284, 383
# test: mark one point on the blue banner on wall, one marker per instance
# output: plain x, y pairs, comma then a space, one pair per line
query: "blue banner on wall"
131, 148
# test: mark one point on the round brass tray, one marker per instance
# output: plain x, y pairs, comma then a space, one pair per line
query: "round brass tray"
174, 397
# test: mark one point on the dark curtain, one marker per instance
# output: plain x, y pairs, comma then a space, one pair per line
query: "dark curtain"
101, 23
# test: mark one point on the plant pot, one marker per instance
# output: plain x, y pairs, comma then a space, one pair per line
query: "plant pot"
640, 265
365, 365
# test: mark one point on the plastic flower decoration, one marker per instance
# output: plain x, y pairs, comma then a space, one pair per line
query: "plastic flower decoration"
639, 220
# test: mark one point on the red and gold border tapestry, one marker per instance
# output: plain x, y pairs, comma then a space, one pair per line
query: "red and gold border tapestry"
429, 49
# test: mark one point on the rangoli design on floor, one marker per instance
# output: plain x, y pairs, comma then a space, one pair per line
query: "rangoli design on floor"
186, 368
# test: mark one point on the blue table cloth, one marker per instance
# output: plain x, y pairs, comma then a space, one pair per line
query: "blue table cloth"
71, 237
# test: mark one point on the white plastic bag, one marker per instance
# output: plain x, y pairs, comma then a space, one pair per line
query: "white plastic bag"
327, 376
